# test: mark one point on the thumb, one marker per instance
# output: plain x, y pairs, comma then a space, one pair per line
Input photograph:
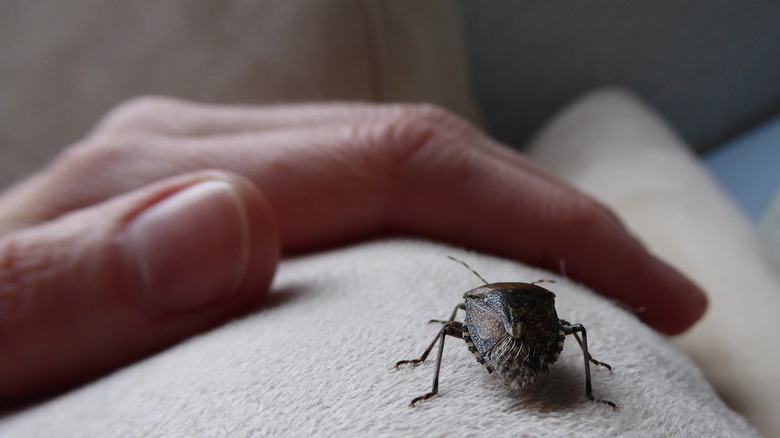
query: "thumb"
100, 287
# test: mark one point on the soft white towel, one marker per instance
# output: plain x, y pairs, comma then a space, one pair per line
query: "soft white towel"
318, 361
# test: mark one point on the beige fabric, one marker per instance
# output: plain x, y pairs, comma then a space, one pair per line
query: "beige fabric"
65, 63
611, 145
317, 361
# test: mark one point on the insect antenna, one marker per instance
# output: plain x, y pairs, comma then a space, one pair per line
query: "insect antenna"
468, 267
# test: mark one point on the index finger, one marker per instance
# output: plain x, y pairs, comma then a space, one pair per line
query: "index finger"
419, 170
408, 169
491, 198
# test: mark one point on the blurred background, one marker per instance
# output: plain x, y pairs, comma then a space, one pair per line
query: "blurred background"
712, 69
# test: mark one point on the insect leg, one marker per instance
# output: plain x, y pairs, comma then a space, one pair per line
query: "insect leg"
590, 358
455, 329
452, 317
435, 340
570, 329
585, 347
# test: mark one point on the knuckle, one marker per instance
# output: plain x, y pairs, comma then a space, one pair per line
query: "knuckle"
415, 121
139, 114
413, 128
99, 168
426, 114
411, 146
99, 153
130, 132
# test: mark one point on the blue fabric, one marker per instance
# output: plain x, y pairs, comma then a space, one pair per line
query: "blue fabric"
748, 167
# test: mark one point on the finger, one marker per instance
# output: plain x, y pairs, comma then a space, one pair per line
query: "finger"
119, 162
191, 119
426, 173
527, 218
106, 285
143, 140
208, 136
431, 175
178, 118
148, 114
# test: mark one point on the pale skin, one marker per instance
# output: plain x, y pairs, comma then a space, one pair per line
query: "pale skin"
171, 217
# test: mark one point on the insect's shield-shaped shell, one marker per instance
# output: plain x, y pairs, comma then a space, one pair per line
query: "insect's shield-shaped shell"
515, 328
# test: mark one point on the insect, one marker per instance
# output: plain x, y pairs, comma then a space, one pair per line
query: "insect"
513, 330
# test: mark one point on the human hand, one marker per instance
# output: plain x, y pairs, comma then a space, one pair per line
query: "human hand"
128, 242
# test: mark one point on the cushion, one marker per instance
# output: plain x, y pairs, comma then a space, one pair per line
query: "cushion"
616, 148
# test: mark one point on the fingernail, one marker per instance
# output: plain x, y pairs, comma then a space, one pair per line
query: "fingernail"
191, 249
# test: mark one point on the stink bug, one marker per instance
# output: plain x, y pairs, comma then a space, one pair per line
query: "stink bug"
512, 329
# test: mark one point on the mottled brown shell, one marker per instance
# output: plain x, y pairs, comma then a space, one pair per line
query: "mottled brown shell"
513, 329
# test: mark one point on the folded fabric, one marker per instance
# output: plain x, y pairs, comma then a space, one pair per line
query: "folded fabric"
318, 360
